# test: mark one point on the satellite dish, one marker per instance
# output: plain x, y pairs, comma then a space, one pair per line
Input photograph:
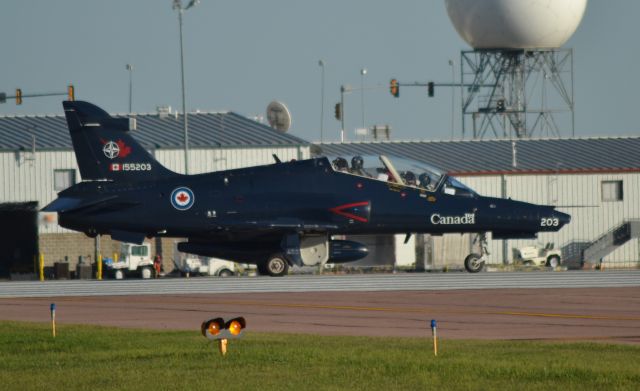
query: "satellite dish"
516, 24
279, 116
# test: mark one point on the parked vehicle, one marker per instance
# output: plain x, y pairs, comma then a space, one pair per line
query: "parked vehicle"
189, 264
134, 261
538, 256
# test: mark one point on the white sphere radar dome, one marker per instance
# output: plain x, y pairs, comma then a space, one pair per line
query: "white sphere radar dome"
516, 24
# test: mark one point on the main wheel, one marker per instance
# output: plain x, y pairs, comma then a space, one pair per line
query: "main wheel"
225, 273
473, 263
145, 273
276, 266
553, 261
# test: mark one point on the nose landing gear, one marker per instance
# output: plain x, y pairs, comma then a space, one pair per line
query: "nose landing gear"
474, 262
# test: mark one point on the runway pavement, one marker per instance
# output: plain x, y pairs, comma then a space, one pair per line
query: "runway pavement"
579, 305
323, 283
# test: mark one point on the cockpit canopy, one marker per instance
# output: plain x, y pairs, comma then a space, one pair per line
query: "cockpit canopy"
401, 171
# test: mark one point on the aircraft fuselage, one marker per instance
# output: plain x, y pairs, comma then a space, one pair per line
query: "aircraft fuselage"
299, 194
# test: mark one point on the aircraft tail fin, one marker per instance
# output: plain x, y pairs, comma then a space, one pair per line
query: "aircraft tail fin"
104, 148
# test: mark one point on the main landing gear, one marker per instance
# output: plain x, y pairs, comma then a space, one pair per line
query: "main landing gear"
275, 266
474, 262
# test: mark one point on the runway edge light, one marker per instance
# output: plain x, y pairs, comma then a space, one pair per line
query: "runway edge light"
217, 329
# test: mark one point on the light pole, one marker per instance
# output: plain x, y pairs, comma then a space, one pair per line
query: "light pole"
177, 5
363, 72
453, 92
321, 64
130, 69
343, 89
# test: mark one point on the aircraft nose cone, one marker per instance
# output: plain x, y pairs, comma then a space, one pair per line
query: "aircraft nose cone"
551, 220
563, 218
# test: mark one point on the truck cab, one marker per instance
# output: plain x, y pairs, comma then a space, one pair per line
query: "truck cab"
134, 261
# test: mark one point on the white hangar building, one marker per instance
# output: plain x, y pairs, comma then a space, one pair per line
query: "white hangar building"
595, 180
37, 161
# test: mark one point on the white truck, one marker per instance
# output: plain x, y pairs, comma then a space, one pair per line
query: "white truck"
192, 265
195, 265
538, 256
134, 261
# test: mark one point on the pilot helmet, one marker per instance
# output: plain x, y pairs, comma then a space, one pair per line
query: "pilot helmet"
357, 162
424, 179
340, 163
409, 178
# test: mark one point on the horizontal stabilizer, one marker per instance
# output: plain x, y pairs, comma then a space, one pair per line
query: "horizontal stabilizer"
70, 204
62, 204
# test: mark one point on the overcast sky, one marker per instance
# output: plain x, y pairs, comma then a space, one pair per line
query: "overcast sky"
240, 55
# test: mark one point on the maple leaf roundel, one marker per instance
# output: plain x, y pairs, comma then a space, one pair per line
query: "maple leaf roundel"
182, 198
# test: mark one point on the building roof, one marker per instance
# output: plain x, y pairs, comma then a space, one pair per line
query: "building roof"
490, 157
208, 129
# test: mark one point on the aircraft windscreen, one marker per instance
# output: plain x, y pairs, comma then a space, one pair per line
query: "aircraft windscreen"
411, 172
455, 187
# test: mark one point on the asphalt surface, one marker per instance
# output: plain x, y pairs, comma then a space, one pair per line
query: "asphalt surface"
610, 313
324, 283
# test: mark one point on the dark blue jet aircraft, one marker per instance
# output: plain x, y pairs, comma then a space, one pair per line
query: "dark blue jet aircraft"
274, 216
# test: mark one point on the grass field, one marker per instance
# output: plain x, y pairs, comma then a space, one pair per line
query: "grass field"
86, 357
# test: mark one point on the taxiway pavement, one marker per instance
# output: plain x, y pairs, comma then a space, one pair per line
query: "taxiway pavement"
610, 313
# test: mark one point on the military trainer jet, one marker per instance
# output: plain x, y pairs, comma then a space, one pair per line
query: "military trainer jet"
274, 216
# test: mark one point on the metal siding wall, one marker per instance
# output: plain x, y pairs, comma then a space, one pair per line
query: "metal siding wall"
576, 194
534, 189
591, 217
24, 180
207, 160
450, 250
488, 186
623, 210
32, 180
405, 252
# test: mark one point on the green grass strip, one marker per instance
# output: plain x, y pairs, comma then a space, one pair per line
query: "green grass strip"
101, 358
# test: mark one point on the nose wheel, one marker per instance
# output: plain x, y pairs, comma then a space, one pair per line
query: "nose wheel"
474, 262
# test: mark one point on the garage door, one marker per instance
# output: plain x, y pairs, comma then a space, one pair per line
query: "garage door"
18, 237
